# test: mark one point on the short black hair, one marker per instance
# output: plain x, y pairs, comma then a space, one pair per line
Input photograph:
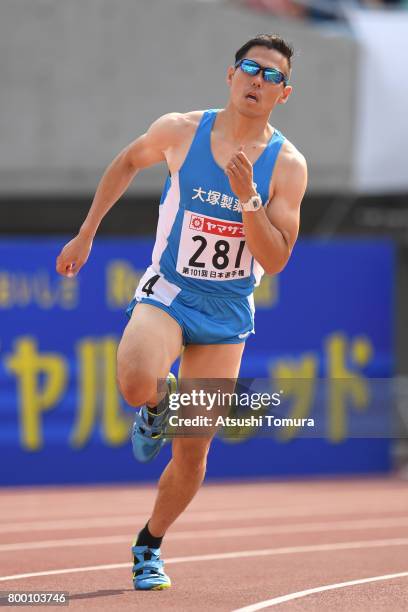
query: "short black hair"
270, 41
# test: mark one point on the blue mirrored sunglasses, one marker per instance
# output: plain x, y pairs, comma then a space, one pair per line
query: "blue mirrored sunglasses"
270, 75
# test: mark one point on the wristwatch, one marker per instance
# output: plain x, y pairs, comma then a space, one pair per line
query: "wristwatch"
254, 203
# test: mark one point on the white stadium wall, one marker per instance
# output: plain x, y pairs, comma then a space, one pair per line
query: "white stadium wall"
80, 79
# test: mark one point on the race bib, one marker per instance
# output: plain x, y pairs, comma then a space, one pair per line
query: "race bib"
212, 249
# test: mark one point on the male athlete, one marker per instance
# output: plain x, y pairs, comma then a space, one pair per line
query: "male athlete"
229, 211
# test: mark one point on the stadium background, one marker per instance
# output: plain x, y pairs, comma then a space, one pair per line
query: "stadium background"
82, 79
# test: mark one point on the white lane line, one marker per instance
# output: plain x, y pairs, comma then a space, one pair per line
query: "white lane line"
305, 492
287, 550
327, 587
195, 517
97, 541
216, 533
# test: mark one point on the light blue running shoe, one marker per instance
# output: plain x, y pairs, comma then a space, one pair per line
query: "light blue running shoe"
148, 573
147, 439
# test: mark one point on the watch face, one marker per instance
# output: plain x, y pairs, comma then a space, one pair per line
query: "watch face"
253, 203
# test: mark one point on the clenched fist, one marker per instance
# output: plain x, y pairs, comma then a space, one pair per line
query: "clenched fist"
74, 255
240, 174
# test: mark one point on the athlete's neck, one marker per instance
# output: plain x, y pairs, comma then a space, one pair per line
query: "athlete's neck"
240, 130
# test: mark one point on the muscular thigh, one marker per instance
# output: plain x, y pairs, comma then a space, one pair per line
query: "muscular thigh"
152, 340
211, 360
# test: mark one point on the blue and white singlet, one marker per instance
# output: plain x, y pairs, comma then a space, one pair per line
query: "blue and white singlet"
200, 247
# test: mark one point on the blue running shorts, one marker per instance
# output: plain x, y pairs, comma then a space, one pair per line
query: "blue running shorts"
203, 318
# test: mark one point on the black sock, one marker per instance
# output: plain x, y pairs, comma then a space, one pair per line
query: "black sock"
160, 407
153, 411
145, 538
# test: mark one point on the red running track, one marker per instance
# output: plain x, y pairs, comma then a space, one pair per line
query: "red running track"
339, 545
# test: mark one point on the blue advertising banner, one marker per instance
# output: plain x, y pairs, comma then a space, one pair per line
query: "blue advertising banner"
329, 314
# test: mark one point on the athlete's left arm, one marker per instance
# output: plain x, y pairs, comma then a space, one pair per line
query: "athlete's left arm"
271, 231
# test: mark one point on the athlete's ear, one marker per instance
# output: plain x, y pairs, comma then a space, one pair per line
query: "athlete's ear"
230, 74
285, 94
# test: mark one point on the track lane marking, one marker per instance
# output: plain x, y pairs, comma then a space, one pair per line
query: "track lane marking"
287, 550
195, 517
268, 603
215, 533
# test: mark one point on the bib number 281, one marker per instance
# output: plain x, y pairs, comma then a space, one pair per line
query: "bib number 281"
220, 258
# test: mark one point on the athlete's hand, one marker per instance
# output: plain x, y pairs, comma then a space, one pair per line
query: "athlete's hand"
240, 174
74, 255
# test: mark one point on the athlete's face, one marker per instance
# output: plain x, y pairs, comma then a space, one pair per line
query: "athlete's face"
251, 94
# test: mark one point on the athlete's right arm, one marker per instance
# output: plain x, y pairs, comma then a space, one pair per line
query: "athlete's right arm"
145, 151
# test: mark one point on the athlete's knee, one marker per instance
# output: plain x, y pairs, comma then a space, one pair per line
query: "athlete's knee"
136, 384
190, 455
